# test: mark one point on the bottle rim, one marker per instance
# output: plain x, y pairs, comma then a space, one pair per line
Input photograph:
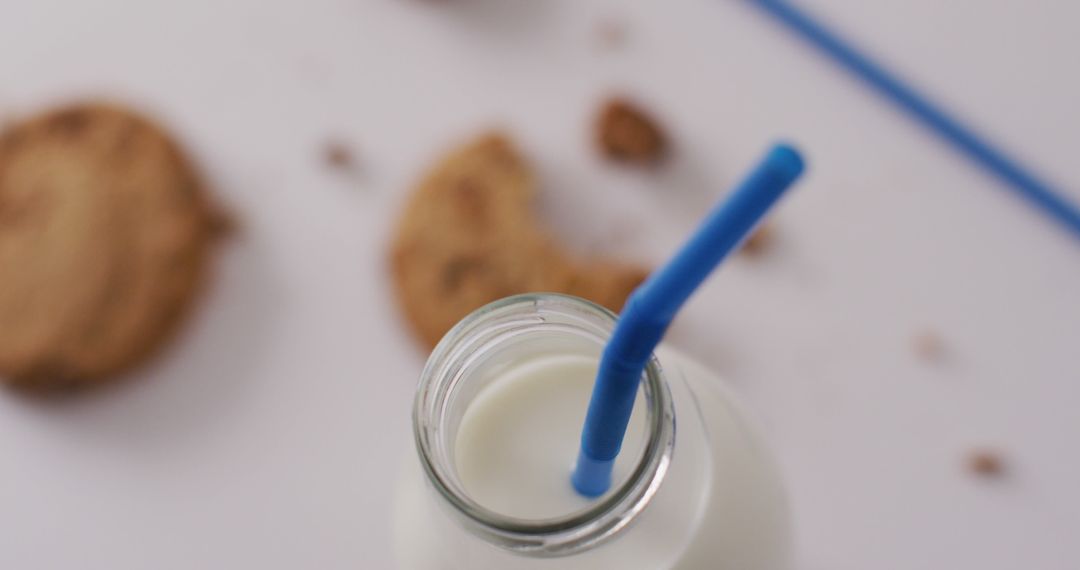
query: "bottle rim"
485, 330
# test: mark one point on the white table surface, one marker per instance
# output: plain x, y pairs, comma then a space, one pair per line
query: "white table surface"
268, 436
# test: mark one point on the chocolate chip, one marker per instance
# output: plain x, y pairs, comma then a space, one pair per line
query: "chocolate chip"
71, 121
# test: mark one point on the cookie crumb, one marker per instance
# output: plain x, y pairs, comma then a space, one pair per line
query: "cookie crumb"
985, 463
760, 240
610, 33
929, 346
626, 133
338, 155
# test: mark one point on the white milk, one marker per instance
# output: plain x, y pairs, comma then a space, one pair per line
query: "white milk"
518, 439
720, 505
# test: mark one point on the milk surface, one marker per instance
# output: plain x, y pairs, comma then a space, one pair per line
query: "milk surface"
518, 439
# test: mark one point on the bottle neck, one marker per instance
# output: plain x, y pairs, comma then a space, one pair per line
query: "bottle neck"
470, 357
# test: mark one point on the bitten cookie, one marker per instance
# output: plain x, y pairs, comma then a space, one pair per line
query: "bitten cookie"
105, 229
467, 237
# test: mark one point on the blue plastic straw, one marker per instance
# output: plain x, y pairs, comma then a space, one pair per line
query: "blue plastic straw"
652, 306
1038, 193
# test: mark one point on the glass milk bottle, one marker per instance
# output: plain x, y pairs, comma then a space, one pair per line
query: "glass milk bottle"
497, 423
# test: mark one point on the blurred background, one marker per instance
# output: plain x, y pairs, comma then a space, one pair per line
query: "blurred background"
910, 319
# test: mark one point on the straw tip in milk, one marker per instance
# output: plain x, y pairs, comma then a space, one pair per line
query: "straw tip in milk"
592, 477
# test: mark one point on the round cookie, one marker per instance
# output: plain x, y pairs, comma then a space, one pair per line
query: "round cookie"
468, 237
104, 234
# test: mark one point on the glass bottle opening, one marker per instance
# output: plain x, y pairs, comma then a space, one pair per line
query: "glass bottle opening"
470, 357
